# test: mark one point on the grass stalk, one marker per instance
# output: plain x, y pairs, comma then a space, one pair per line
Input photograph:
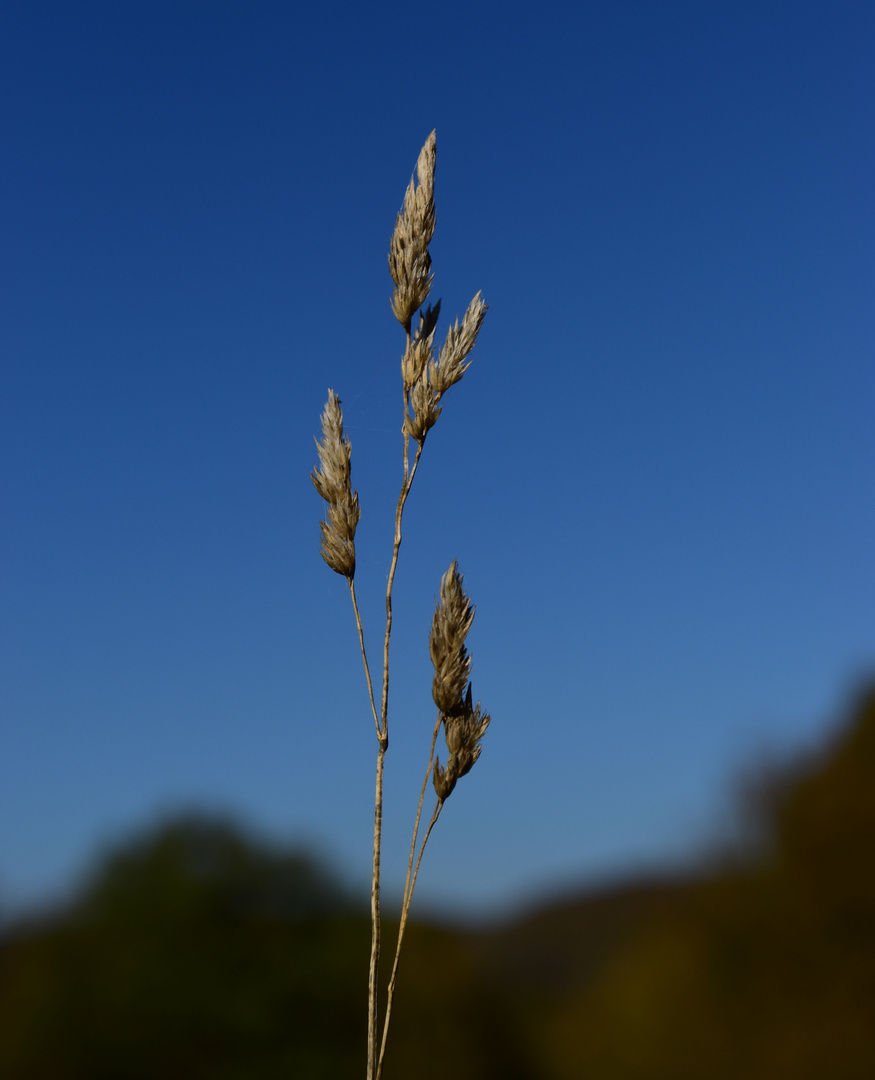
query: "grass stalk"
426, 378
358, 623
409, 885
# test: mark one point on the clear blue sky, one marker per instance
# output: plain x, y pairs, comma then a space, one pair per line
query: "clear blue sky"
657, 475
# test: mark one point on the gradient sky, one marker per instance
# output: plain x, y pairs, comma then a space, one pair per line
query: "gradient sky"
657, 476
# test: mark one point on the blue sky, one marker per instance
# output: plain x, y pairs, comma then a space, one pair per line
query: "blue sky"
657, 475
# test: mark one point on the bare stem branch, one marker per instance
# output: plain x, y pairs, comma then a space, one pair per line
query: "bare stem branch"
402, 927
435, 733
399, 513
358, 623
383, 736
408, 889
373, 970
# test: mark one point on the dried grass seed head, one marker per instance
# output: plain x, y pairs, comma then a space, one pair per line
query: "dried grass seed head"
424, 410
343, 516
421, 350
452, 620
332, 479
409, 259
425, 167
337, 552
459, 342
463, 733
444, 781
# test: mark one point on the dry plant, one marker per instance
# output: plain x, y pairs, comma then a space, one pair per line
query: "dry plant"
426, 378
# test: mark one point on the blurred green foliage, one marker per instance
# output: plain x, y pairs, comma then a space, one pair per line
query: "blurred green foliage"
197, 951
194, 953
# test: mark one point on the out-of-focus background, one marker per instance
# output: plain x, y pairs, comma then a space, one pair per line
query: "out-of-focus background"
198, 951
657, 478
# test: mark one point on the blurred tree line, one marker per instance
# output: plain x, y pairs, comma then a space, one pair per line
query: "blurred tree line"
197, 951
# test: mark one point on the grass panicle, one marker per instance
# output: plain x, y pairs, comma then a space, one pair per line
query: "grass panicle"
425, 379
452, 620
463, 731
332, 481
409, 258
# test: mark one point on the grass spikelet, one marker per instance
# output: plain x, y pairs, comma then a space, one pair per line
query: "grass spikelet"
332, 480
463, 732
459, 343
452, 620
409, 259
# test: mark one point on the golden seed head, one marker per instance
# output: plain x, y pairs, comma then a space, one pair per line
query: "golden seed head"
424, 410
443, 781
332, 479
409, 260
452, 620
459, 342
463, 732
420, 352
416, 360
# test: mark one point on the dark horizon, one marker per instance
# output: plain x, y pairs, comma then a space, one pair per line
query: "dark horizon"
197, 953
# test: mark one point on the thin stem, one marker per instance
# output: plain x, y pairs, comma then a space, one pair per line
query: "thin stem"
375, 917
375, 878
408, 888
406, 484
401, 928
437, 728
402, 499
382, 725
358, 622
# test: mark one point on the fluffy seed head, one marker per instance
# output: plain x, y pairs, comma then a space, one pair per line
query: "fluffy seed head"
424, 410
409, 260
463, 732
332, 479
421, 350
452, 620
459, 343
415, 361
